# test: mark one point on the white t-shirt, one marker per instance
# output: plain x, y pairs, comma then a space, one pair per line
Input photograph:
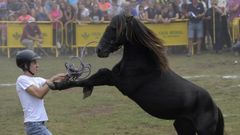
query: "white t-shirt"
222, 3
85, 12
33, 107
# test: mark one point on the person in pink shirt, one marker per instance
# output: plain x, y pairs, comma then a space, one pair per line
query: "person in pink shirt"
233, 8
55, 16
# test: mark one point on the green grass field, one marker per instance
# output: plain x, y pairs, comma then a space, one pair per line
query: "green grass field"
107, 111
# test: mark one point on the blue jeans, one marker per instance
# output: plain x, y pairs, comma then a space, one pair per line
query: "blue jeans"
195, 27
36, 128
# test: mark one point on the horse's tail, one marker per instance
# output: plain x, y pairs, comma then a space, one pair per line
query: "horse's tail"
220, 124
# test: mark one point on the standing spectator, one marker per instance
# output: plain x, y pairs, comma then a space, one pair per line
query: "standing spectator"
236, 47
170, 13
104, 6
225, 25
39, 13
89, 3
31, 34
203, 44
82, 13
73, 3
31, 90
24, 4
115, 9
69, 14
215, 29
3, 9
195, 14
151, 13
184, 9
14, 8
3, 32
69, 26
55, 16
24, 17
48, 6
3, 17
63, 7
233, 7
96, 15
142, 15
130, 8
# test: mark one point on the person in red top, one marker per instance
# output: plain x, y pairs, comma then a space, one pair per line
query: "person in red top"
31, 33
104, 6
24, 17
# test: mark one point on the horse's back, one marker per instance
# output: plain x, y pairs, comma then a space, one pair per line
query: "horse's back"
169, 96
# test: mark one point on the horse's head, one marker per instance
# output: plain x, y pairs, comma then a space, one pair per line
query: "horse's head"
113, 37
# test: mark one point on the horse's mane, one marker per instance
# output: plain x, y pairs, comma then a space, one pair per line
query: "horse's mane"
137, 32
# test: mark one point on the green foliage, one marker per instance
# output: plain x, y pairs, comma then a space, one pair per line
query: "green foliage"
107, 111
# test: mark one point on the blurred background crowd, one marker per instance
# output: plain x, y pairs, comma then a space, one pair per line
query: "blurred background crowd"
154, 11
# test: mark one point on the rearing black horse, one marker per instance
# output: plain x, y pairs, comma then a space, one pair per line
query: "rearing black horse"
144, 76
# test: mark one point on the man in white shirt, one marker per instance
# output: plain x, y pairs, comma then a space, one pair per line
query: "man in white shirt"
31, 91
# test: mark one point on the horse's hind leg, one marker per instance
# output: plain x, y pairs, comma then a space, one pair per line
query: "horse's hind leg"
184, 127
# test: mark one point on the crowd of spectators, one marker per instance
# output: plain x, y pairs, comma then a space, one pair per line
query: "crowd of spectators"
88, 10
155, 11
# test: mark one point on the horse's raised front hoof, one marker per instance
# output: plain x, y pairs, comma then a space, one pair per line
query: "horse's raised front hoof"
59, 85
87, 91
52, 86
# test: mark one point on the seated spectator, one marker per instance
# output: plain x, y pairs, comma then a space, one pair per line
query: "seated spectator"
96, 15
24, 17
31, 33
